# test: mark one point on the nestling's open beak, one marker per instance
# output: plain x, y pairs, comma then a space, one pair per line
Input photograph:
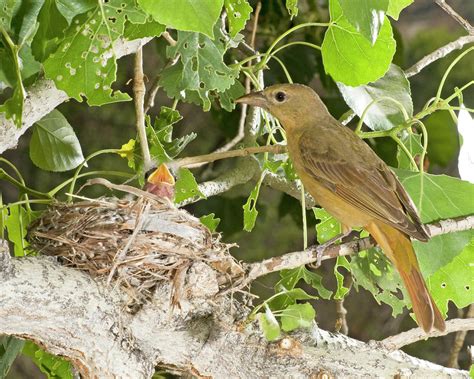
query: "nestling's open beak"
256, 99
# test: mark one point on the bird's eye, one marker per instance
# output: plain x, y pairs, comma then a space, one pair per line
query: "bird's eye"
280, 96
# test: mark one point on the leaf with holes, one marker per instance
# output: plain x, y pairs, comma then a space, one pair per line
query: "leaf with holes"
341, 290
297, 316
250, 208
186, 186
85, 63
455, 281
349, 57
290, 278
328, 227
200, 69
238, 12
382, 114
189, 15
54, 145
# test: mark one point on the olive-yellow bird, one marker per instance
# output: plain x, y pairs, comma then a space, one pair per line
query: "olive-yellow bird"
352, 183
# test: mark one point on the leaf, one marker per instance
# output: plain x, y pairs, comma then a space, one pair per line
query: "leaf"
349, 57
292, 7
284, 298
443, 140
328, 227
269, 325
70, 9
466, 153
210, 221
413, 143
372, 270
227, 97
455, 281
85, 63
23, 23
150, 28
297, 316
163, 148
396, 6
54, 145
250, 208
290, 278
341, 290
16, 223
186, 186
188, 15
238, 13
367, 16
384, 114
200, 70
440, 196
51, 365
10, 347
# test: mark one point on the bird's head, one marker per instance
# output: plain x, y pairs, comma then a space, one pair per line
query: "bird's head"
292, 104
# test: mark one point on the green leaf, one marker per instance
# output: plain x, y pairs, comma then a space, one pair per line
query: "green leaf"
384, 114
373, 271
297, 316
189, 15
455, 281
150, 28
238, 13
200, 70
328, 227
16, 223
292, 7
54, 145
10, 347
341, 290
210, 221
290, 278
227, 98
349, 57
186, 186
85, 63
284, 298
24, 21
163, 148
367, 16
269, 325
438, 197
250, 208
413, 143
51, 365
396, 6
70, 9
442, 137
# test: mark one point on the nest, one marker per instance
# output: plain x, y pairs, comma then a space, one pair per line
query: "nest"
135, 243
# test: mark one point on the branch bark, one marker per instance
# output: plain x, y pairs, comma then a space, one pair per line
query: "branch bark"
43, 96
84, 321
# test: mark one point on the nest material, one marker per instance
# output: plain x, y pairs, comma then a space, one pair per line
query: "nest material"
137, 243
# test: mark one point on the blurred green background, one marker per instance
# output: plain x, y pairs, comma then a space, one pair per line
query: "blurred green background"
422, 28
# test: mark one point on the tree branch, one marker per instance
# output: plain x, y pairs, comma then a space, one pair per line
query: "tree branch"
83, 321
456, 16
299, 258
43, 96
418, 334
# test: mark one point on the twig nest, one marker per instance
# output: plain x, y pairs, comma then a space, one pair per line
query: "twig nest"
137, 243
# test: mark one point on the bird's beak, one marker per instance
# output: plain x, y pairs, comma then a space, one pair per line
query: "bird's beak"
161, 175
256, 99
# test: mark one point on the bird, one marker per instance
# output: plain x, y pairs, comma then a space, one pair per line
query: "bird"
348, 179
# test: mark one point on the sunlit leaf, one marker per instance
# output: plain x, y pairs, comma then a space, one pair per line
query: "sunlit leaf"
292, 7
396, 6
250, 208
186, 186
269, 325
341, 290
210, 221
54, 145
413, 144
466, 153
328, 227
51, 365
290, 278
238, 12
297, 316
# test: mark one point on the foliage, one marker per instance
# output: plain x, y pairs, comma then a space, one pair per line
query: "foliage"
202, 59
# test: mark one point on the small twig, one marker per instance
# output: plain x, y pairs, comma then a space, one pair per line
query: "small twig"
150, 100
341, 311
255, 24
244, 152
438, 54
418, 334
300, 258
459, 340
168, 38
139, 97
463, 22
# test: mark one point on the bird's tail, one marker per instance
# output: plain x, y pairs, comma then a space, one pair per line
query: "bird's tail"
398, 247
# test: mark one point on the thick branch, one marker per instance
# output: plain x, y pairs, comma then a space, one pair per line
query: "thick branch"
43, 96
299, 258
83, 321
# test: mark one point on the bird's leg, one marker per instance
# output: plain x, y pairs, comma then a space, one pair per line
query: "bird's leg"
347, 235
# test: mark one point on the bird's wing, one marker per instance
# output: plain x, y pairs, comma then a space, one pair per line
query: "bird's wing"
362, 179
